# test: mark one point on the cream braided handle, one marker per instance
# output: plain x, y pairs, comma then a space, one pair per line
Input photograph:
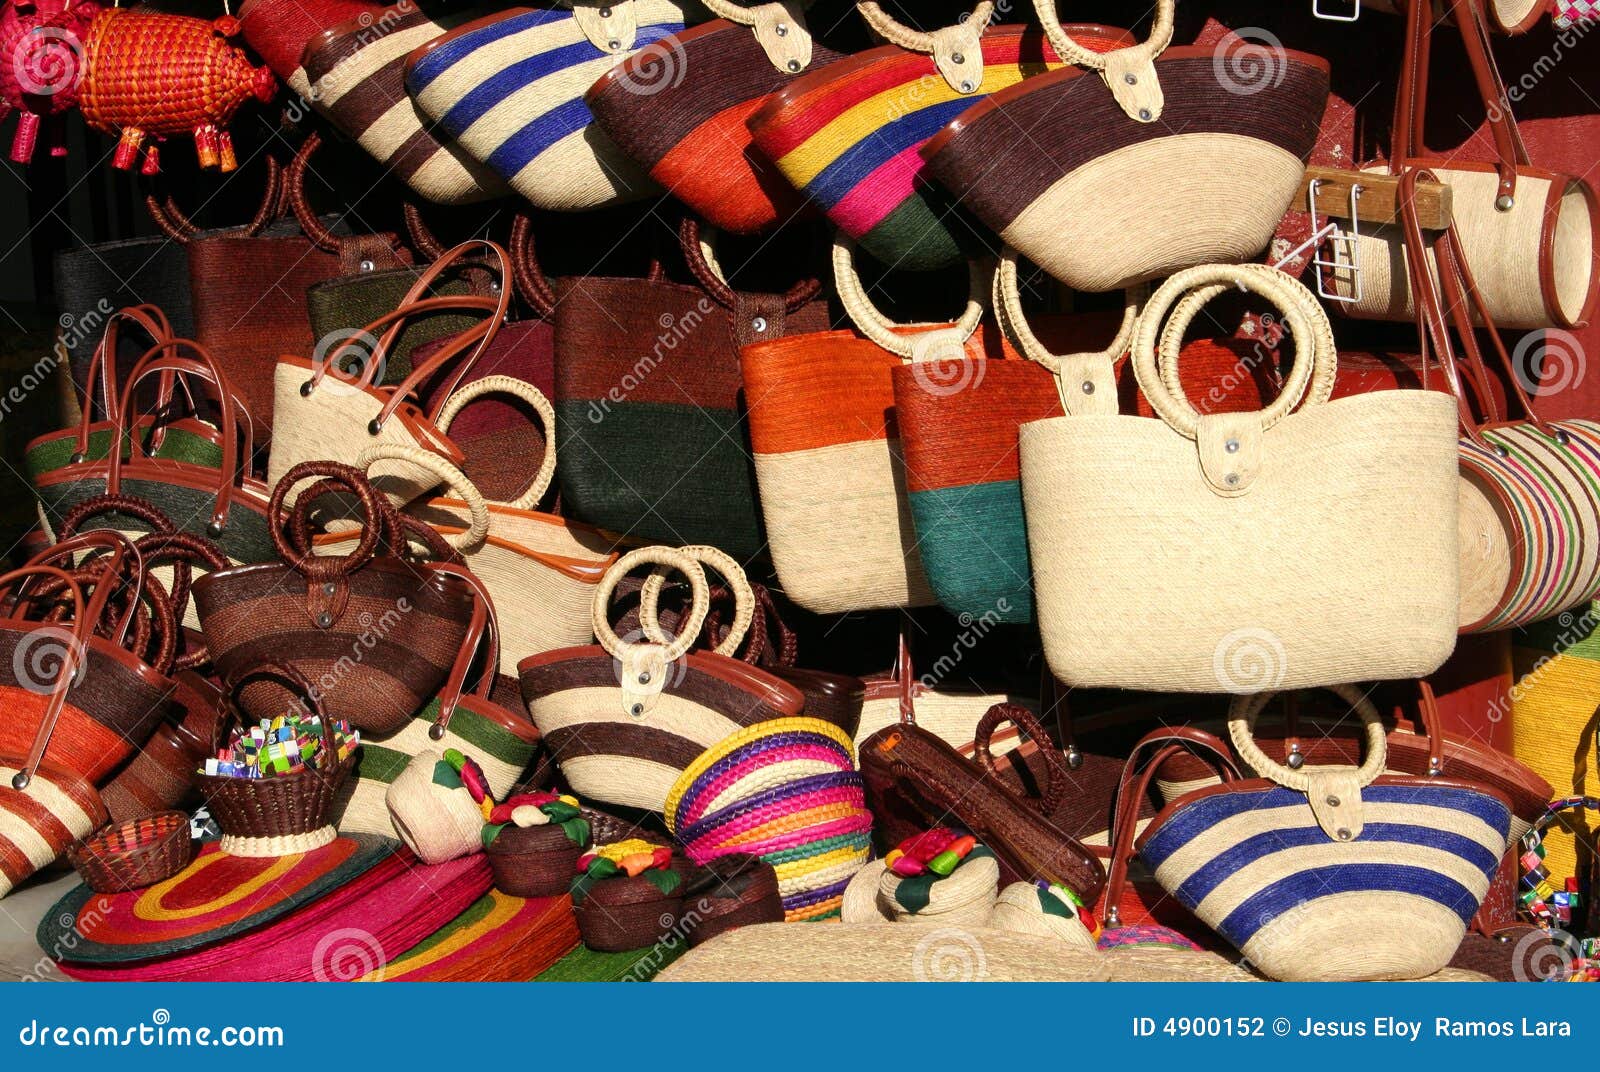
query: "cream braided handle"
535, 398
744, 597
643, 669
1087, 381
957, 50
1130, 73
454, 479
881, 330
780, 28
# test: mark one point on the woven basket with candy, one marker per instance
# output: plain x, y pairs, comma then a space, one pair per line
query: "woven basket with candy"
534, 841
627, 895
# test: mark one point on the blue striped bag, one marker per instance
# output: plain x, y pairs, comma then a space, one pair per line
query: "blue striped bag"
509, 88
1330, 874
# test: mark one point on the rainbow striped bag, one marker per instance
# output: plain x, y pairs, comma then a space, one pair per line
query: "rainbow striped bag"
1330, 874
509, 88
850, 135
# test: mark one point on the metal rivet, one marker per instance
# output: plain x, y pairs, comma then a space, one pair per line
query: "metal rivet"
324, 620
494, 286
605, 13
305, 389
329, 588
1232, 479
1342, 834
367, 266
794, 66
613, 45
1088, 387
759, 324
1505, 202
1562, 437
436, 731
1501, 452
1131, 79
78, 458
373, 427
967, 86
21, 780
644, 678
1145, 114
1296, 760
957, 57
1074, 758
214, 529
636, 709
782, 29
1231, 446
1333, 802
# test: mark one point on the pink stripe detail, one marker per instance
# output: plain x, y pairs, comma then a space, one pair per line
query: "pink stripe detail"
879, 194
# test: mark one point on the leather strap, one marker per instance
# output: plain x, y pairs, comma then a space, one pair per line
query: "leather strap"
482, 629
72, 655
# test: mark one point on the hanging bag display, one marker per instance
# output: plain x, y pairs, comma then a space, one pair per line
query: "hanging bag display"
849, 135
1362, 489
509, 89
654, 443
623, 736
827, 449
1154, 163
690, 133
321, 415
1528, 234
1337, 874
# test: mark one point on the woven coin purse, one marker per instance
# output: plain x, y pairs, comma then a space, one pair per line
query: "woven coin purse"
1122, 605
849, 135
690, 133
1221, 165
623, 732
1335, 873
509, 89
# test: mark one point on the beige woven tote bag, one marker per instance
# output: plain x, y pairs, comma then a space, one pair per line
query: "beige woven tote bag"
1282, 548
540, 569
324, 411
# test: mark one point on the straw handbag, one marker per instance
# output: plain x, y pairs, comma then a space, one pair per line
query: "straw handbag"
690, 134
502, 742
625, 717
377, 634
279, 30
41, 821
1529, 234
356, 71
1227, 160
219, 500
849, 135
509, 89
653, 443
1338, 874
900, 696
1362, 489
1529, 516
827, 451
320, 416
542, 568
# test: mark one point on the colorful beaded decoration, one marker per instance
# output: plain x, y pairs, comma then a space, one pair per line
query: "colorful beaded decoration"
1557, 906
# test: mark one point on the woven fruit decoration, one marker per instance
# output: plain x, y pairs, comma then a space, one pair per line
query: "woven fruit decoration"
41, 66
148, 75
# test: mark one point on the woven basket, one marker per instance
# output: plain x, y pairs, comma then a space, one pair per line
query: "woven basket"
135, 854
283, 814
41, 821
624, 913
536, 861
436, 822
732, 891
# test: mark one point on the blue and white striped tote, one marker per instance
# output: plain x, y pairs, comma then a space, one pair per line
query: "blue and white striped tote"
510, 90
1331, 873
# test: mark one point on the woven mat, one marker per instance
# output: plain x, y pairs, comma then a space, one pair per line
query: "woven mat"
585, 965
498, 939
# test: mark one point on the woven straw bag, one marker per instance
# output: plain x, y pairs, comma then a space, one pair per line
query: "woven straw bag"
1123, 605
542, 568
509, 89
356, 71
375, 633
1530, 235
502, 742
653, 440
1223, 164
1299, 870
827, 451
625, 717
1529, 490
437, 822
849, 135
278, 31
319, 415
40, 822
690, 133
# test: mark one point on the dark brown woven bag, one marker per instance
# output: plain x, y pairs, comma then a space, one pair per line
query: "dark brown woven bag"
377, 634
731, 891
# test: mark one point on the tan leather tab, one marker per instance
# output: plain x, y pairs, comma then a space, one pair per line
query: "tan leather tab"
781, 30
610, 25
1131, 75
1088, 385
1230, 447
1335, 797
644, 674
326, 601
958, 54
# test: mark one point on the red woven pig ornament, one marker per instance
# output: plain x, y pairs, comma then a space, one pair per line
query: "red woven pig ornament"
148, 75
41, 68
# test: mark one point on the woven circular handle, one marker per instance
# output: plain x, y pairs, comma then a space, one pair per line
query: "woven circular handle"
526, 272
1156, 360
280, 518
655, 556
181, 229
183, 551
883, 331
454, 480
1245, 710
1072, 52
700, 254
744, 598
1014, 321
234, 683
535, 398
1055, 787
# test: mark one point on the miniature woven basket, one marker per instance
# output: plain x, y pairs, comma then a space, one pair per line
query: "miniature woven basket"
731, 891
624, 913
534, 861
134, 854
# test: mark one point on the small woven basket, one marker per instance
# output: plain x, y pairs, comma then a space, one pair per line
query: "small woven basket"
731, 891
134, 854
536, 861
284, 814
624, 913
